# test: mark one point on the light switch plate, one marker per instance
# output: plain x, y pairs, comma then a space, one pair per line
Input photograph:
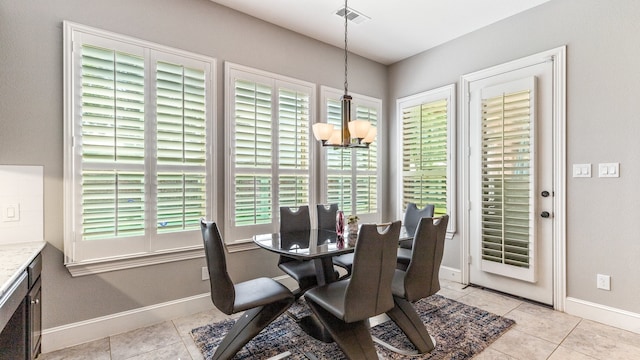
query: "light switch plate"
609, 170
582, 170
11, 212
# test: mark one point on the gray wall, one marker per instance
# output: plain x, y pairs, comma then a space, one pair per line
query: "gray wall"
603, 88
31, 123
602, 93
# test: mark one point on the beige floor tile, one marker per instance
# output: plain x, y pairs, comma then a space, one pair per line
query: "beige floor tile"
611, 332
143, 340
187, 323
94, 350
603, 342
523, 346
491, 354
564, 353
176, 351
193, 350
490, 301
454, 290
543, 322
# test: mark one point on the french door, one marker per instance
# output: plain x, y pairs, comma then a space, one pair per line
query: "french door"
510, 179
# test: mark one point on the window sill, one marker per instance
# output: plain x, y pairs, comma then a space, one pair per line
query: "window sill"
114, 264
241, 245
130, 262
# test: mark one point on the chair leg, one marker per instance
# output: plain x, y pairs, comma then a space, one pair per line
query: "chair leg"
405, 316
353, 338
248, 326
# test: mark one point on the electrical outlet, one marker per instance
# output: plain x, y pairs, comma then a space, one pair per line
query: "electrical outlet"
603, 282
205, 273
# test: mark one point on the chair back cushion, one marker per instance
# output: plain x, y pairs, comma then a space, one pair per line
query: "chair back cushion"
222, 290
294, 220
412, 217
421, 279
369, 290
327, 216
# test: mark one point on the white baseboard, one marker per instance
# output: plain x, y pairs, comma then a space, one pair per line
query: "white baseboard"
621, 319
450, 274
607, 315
93, 329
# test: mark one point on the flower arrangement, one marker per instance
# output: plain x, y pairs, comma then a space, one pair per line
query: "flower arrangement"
353, 219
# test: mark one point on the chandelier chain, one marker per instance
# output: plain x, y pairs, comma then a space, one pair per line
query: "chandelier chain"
346, 84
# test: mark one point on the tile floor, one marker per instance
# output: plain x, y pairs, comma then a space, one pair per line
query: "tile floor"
539, 333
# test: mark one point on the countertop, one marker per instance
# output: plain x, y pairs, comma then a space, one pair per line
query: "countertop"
14, 259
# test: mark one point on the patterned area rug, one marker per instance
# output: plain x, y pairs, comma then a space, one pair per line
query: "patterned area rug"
461, 331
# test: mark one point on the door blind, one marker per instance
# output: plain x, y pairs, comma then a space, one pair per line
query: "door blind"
507, 223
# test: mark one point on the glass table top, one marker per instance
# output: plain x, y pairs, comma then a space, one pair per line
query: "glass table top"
310, 244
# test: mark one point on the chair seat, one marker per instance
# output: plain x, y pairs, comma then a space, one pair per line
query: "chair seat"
344, 261
404, 257
303, 272
257, 292
330, 297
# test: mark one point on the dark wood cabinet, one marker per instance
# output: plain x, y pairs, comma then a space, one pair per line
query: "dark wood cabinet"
21, 315
34, 308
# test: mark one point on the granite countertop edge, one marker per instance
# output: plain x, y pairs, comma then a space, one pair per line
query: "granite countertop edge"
14, 259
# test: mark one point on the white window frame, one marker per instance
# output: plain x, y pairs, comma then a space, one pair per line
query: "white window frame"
329, 93
445, 92
240, 237
83, 258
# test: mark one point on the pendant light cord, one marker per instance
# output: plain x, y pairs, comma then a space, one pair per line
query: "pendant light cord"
346, 85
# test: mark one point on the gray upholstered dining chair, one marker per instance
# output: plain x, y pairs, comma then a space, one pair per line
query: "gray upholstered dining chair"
326, 216
420, 280
303, 272
263, 299
412, 217
344, 307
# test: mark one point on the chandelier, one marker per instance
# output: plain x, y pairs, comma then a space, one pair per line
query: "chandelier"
354, 133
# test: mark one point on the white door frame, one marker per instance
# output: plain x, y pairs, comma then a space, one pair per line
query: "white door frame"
559, 163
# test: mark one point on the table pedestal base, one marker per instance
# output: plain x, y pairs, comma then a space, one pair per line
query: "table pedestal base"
313, 327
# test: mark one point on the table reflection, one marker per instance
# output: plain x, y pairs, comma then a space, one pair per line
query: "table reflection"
304, 244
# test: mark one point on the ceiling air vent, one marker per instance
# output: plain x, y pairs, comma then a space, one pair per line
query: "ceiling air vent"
352, 15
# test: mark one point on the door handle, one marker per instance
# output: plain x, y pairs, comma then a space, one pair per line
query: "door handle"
545, 214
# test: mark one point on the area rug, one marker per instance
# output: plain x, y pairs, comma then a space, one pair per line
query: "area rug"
461, 331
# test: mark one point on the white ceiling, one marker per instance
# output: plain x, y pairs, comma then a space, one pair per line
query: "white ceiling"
396, 29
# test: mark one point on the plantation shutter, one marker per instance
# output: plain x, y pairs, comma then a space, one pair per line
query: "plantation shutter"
138, 127
339, 176
253, 153
507, 180
293, 148
181, 153
367, 167
112, 142
425, 155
